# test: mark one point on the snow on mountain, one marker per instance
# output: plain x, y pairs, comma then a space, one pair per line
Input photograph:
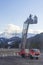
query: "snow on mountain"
7, 35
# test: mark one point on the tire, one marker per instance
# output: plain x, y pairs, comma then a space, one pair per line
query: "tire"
37, 58
31, 57
23, 55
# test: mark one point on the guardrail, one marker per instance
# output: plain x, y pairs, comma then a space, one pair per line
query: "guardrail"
9, 52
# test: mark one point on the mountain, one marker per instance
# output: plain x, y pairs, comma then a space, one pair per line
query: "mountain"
10, 39
35, 42
11, 42
32, 42
3, 42
14, 42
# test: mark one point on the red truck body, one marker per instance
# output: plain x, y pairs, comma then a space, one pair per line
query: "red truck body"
32, 53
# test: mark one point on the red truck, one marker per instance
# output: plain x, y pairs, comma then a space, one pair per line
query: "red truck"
26, 52
32, 53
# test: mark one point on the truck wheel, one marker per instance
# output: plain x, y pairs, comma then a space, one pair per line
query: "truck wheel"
23, 55
31, 57
37, 58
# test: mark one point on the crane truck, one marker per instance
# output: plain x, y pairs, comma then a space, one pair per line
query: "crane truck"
23, 51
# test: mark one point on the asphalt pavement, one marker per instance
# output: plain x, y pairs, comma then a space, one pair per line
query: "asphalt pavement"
17, 60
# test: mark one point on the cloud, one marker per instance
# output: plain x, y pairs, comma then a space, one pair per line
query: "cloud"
1, 32
12, 28
35, 31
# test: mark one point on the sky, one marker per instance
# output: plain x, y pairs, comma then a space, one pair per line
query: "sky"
15, 12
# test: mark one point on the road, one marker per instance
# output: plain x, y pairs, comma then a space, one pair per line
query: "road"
16, 60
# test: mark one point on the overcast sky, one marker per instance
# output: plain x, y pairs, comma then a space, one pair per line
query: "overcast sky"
17, 11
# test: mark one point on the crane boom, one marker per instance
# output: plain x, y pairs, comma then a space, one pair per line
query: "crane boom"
25, 29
